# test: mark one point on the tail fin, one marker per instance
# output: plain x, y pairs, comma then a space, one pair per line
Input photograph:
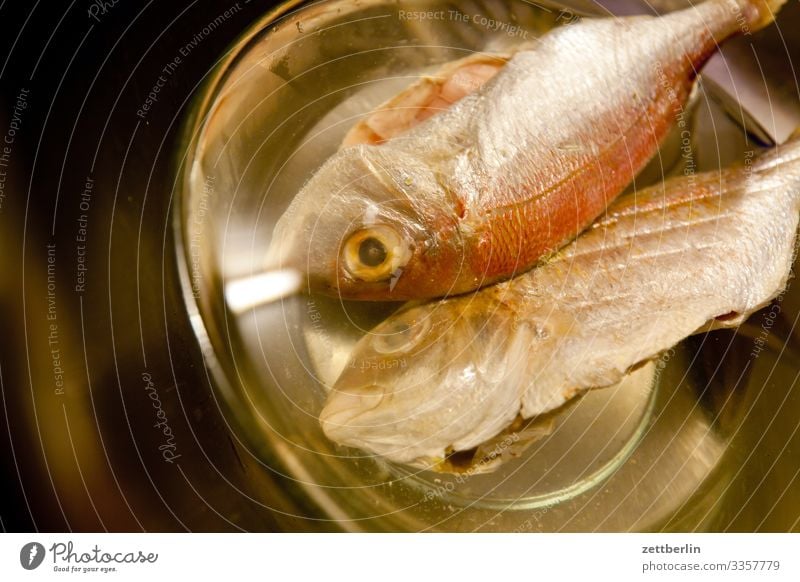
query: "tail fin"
758, 13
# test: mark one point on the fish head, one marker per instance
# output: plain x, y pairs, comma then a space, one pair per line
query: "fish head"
429, 382
372, 223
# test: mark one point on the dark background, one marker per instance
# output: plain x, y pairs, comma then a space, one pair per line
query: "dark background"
88, 459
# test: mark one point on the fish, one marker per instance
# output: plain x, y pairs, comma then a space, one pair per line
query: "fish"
493, 183
691, 254
426, 97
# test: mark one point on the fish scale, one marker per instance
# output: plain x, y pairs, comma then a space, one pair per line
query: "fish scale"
553, 216
695, 253
510, 172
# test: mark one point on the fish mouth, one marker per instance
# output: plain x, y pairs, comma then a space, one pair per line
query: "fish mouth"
346, 419
346, 406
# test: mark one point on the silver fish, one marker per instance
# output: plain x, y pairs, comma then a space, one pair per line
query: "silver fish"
689, 255
510, 172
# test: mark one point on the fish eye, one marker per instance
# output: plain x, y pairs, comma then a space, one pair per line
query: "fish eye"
374, 253
400, 336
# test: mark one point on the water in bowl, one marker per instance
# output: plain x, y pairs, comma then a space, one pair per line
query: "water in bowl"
667, 449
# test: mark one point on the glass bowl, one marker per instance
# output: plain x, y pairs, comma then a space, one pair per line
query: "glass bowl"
667, 449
